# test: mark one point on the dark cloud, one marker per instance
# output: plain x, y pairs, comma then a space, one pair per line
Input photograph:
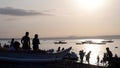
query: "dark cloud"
19, 12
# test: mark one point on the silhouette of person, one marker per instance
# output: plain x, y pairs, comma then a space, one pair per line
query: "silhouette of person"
35, 42
12, 41
116, 56
82, 54
109, 56
26, 41
98, 60
88, 57
15, 46
62, 49
0, 44
104, 59
58, 49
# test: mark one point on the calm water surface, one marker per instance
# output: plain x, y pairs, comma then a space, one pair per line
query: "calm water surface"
96, 49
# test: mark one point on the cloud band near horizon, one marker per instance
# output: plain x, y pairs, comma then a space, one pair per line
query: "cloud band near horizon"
19, 12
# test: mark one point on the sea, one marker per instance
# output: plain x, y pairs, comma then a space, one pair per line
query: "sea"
96, 49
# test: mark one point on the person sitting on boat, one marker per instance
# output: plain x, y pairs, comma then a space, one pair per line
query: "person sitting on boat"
58, 49
12, 41
0, 44
26, 41
63, 49
15, 46
35, 42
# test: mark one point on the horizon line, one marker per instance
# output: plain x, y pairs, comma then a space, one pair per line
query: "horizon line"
73, 37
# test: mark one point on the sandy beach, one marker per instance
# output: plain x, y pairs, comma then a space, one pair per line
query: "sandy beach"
70, 64
63, 64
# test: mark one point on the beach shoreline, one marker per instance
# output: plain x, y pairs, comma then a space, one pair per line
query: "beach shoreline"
62, 64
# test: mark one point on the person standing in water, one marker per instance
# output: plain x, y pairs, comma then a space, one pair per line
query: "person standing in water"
109, 56
88, 57
26, 41
98, 60
35, 42
81, 53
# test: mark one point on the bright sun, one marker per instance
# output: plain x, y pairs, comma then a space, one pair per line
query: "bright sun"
90, 4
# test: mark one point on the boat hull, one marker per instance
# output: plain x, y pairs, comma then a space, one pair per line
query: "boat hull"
31, 56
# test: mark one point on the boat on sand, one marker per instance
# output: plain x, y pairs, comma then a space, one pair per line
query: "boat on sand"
32, 56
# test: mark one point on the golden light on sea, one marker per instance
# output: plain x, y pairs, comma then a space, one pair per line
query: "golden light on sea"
95, 50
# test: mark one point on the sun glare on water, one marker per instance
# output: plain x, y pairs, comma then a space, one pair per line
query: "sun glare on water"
95, 50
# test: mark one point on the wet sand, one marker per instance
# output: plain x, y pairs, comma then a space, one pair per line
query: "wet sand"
73, 65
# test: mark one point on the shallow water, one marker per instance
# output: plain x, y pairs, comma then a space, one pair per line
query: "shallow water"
96, 49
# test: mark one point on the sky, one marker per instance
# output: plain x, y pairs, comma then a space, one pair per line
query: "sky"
59, 18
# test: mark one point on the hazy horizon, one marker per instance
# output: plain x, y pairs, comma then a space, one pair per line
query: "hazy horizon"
72, 37
59, 18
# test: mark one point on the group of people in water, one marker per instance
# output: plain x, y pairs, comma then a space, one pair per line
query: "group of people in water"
15, 45
25, 40
107, 57
82, 54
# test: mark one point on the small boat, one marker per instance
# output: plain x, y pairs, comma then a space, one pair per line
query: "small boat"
87, 42
32, 56
100, 43
108, 41
91, 42
78, 43
60, 42
116, 47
